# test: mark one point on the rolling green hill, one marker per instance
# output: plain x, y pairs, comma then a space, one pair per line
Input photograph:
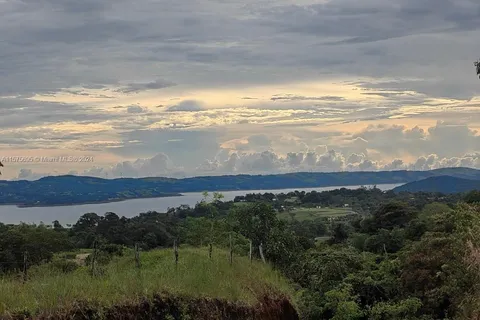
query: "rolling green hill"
442, 184
197, 285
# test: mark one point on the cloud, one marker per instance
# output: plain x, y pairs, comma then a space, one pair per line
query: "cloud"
292, 97
445, 139
229, 43
137, 87
136, 109
409, 17
266, 162
179, 145
336, 66
187, 105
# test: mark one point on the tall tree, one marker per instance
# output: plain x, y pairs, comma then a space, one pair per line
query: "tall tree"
477, 65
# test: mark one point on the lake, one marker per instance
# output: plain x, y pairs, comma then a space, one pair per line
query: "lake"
130, 208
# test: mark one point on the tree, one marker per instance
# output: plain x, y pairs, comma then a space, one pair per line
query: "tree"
473, 197
39, 241
477, 66
254, 221
339, 233
57, 226
391, 215
1, 165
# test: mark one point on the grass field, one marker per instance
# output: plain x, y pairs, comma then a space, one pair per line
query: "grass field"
196, 276
314, 213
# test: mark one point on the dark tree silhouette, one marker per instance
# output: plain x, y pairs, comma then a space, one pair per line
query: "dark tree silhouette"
1, 165
477, 65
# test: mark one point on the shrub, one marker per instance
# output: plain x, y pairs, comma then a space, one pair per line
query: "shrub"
64, 266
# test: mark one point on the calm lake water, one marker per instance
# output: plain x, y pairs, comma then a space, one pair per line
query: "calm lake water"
129, 208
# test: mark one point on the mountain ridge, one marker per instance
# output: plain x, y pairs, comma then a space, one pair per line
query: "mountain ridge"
68, 189
442, 184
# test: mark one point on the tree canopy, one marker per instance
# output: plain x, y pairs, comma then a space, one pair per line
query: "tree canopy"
477, 66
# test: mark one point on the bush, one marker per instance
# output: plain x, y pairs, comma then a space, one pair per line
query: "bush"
64, 266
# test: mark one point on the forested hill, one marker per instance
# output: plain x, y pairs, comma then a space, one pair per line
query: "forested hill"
65, 190
443, 184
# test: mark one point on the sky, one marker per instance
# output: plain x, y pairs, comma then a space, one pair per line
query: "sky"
116, 88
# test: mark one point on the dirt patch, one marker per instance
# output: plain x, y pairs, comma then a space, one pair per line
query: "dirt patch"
177, 308
80, 258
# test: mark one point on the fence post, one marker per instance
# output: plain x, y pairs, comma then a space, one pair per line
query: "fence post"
175, 251
137, 256
210, 250
94, 257
250, 253
231, 249
260, 248
25, 266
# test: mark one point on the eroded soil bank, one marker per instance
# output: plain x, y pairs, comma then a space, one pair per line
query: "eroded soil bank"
166, 307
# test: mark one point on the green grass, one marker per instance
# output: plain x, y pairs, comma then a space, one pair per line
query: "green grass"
196, 276
302, 214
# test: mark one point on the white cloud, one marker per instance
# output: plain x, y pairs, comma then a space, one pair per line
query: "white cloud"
187, 105
136, 109
265, 163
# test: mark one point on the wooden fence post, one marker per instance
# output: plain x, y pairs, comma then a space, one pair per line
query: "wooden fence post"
250, 253
210, 250
25, 266
260, 248
175, 251
231, 250
137, 256
94, 257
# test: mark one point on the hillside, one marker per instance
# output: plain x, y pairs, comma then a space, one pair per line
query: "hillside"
198, 288
66, 190
443, 184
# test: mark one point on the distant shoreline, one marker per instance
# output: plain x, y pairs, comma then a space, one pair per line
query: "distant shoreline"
21, 205
182, 194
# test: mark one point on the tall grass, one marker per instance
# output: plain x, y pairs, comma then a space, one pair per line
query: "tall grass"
195, 276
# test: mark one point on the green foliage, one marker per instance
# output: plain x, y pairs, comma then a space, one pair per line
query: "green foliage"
403, 310
254, 221
149, 229
63, 265
385, 241
392, 215
105, 253
340, 233
323, 270
37, 242
442, 268
357, 240
282, 247
342, 305
407, 256
258, 223
473, 196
